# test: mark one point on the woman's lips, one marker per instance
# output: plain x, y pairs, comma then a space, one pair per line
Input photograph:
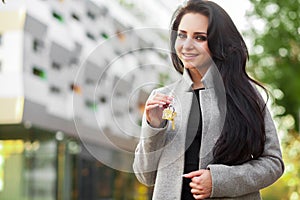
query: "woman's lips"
189, 56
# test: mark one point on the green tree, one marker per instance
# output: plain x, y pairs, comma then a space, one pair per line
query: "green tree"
275, 61
275, 57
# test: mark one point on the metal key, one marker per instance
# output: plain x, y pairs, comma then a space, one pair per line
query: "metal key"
169, 114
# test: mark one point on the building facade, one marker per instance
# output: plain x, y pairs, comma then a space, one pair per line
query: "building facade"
74, 77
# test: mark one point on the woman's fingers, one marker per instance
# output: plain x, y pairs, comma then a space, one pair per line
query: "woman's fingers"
196, 186
200, 196
201, 183
193, 174
162, 98
200, 193
159, 100
154, 108
155, 102
149, 107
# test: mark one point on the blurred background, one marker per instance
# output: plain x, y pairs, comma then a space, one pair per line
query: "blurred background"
75, 73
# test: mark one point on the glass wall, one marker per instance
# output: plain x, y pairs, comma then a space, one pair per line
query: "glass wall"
37, 164
27, 165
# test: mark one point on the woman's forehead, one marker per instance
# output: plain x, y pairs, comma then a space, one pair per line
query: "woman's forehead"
193, 22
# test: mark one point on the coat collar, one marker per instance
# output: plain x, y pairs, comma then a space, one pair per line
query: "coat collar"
209, 80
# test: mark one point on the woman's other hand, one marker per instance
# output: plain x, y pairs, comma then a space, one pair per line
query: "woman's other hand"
201, 183
154, 109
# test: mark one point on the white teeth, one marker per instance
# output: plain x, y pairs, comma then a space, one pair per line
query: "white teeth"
189, 55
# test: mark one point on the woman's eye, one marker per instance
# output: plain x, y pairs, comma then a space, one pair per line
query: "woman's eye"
180, 35
201, 38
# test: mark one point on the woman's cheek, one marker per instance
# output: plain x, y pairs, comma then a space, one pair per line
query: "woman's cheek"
178, 46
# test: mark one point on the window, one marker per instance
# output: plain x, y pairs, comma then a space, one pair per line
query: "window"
39, 72
37, 45
103, 99
75, 88
104, 35
55, 90
90, 36
56, 66
58, 16
75, 16
91, 15
91, 105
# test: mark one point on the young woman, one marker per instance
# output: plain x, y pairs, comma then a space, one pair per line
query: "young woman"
210, 134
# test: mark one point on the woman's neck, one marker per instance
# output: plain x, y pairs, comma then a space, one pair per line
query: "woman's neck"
196, 77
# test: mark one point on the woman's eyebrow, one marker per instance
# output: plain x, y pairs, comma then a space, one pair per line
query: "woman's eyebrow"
195, 33
200, 33
182, 31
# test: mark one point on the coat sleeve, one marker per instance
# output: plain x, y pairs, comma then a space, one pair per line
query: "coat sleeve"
148, 152
234, 181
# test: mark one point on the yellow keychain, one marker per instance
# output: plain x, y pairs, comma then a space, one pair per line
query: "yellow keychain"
169, 114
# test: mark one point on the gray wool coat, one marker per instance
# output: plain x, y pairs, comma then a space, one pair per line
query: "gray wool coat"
159, 155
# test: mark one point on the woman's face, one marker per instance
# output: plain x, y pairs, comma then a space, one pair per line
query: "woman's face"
191, 44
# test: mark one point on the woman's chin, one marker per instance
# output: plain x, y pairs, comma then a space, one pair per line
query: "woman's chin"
189, 66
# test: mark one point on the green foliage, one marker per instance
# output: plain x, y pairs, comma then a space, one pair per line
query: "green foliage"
287, 187
275, 59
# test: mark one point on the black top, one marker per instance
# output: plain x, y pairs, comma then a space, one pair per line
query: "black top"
191, 156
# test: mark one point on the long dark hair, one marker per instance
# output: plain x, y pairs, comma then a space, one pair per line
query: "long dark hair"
243, 134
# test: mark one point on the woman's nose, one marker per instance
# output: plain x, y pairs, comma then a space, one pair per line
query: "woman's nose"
188, 43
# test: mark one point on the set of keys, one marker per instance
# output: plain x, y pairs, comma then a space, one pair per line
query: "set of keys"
170, 114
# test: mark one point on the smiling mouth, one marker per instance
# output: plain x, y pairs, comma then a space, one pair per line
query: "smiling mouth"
189, 55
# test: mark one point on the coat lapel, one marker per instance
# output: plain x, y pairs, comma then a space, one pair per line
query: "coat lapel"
183, 103
213, 106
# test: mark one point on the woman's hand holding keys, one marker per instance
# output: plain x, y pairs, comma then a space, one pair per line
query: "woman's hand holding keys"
154, 109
